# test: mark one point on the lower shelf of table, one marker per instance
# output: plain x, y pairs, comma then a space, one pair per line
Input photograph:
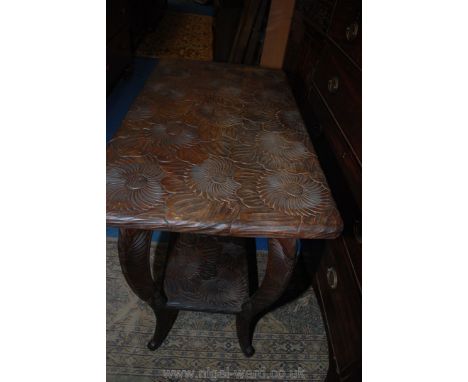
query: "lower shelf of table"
209, 273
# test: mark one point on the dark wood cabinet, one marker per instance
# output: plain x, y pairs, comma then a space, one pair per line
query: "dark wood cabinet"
341, 305
345, 30
339, 85
323, 63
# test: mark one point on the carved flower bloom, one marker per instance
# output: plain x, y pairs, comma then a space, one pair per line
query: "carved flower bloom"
214, 179
273, 150
134, 186
293, 194
174, 133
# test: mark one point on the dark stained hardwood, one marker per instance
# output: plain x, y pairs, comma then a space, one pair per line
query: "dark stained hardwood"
335, 279
339, 84
218, 149
282, 256
208, 273
134, 255
317, 12
329, 134
346, 29
323, 64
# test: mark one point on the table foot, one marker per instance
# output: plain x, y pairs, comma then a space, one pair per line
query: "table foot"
245, 327
282, 257
134, 255
164, 321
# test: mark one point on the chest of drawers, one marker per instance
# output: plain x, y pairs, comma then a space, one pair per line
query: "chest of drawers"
323, 63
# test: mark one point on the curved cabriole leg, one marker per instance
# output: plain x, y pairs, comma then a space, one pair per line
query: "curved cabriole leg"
165, 318
282, 256
134, 255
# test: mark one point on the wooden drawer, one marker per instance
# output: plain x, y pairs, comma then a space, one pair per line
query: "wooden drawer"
305, 58
346, 28
350, 211
336, 148
310, 58
353, 240
339, 84
317, 12
341, 302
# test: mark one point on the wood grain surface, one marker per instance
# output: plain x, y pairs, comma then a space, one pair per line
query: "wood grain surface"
218, 149
207, 273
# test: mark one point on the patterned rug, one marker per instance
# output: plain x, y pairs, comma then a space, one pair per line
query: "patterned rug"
290, 342
180, 35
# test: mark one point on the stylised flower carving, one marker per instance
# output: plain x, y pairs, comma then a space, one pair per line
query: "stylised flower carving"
274, 146
134, 186
214, 179
218, 149
173, 133
293, 194
127, 146
273, 150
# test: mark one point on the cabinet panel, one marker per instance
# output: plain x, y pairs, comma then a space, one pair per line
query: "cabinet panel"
317, 12
341, 301
339, 84
341, 150
346, 28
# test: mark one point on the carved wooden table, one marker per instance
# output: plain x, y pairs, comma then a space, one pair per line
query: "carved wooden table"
217, 154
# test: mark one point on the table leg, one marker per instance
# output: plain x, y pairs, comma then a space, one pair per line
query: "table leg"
282, 256
134, 255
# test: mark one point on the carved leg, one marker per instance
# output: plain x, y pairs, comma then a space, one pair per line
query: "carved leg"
282, 256
134, 255
165, 318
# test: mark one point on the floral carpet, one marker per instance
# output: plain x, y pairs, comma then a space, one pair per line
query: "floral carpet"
290, 342
180, 35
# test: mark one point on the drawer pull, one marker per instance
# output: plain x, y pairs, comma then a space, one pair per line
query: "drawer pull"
332, 278
333, 84
358, 231
352, 31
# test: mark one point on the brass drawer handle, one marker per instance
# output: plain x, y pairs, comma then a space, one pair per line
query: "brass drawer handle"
333, 84
332, 277
358, 231
352, 31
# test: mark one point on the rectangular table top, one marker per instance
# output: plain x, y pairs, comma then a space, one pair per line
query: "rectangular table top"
219, 149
